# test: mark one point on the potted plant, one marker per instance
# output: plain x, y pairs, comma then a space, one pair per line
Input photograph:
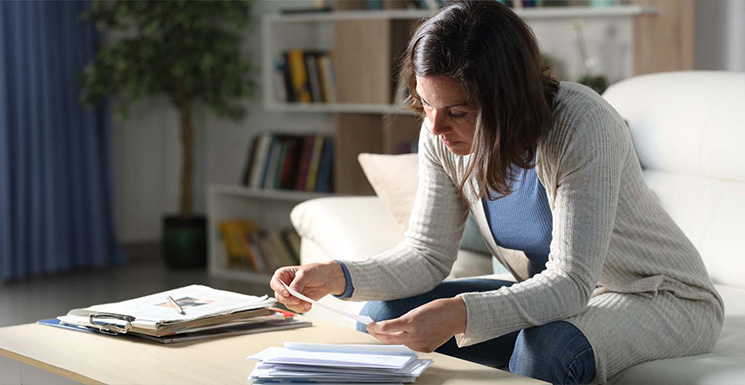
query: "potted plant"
188, 51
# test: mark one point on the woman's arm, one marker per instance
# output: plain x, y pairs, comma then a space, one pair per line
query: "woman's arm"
589, 161
430, 246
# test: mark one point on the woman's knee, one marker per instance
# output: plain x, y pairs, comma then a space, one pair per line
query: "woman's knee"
556, 352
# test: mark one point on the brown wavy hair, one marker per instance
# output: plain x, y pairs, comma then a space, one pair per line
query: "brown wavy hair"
495, 57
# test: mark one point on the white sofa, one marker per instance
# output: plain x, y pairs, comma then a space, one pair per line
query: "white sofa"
689, 132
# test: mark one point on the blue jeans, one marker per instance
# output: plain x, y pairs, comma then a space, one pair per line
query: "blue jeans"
556, 352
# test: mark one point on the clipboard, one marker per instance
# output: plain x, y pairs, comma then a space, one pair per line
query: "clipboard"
153, 314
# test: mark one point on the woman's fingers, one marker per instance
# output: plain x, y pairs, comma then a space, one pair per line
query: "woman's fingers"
285, 274
399, 338
389, 327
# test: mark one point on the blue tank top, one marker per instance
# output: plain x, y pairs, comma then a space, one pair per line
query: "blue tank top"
522, 220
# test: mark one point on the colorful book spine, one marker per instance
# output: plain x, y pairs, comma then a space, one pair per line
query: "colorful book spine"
291, 163
328, 80
233, 233
267, 251
287, 77
315, 161
304, 166
270, 172
260, 161
250, 159
323, 183
299, 76
280, 88
314, 80
278, 168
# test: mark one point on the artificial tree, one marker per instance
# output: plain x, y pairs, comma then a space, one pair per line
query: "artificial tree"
188, 51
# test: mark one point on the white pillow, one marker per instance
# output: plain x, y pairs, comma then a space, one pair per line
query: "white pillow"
394, 179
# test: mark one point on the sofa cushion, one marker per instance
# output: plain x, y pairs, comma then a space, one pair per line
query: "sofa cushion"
346, 227
397, 191
685, 122
394, 179
723, 365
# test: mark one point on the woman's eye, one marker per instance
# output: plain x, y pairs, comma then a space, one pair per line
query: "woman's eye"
458, 116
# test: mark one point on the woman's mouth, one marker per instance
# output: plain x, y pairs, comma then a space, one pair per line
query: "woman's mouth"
449, 143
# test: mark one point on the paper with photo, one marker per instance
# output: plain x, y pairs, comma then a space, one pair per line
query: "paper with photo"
154, 311
363, 319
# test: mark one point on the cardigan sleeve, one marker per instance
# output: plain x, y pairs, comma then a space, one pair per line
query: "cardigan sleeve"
430, 245
589, 159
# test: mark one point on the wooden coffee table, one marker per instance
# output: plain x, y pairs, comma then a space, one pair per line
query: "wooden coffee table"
98, 359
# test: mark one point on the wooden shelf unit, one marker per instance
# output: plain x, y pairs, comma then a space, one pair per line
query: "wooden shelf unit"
269, 208
367, 47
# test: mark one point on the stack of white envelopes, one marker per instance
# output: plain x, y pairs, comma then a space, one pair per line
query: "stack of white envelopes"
337, 364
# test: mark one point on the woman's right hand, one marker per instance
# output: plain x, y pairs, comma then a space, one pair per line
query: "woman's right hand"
314, 280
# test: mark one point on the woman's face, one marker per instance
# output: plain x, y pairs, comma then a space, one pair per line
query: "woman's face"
449, 115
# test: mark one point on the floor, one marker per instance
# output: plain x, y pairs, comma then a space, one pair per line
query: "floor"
47, 297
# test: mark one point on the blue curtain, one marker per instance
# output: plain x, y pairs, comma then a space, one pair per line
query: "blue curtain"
55, 205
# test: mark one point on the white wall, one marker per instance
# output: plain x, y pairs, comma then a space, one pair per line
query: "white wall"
720, 35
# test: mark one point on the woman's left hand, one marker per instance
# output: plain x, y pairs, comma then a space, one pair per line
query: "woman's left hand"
424, 328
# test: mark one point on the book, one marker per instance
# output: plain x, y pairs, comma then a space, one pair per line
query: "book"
279, 165
270, 172
260, 159
239, 253
268, 251
290, 164
281, 252
250, 159
287, 77
278, 75
303, 167
299, 75
315, 161
253, 243
291, 241
323, 182
328, 79
314, 80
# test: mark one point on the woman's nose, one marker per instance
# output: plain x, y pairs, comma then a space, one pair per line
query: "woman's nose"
438, 123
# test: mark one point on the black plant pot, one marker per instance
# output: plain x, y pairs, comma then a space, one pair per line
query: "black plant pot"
185, 241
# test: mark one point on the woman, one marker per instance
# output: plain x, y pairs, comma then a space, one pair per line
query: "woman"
605, 278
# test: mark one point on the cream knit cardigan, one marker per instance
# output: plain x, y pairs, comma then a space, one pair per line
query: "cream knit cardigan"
619, 268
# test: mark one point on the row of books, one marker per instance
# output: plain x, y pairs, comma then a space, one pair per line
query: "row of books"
261, 251
290, 162
305, 76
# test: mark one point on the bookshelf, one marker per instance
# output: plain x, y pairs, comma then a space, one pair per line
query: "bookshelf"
367, 46
270, 208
